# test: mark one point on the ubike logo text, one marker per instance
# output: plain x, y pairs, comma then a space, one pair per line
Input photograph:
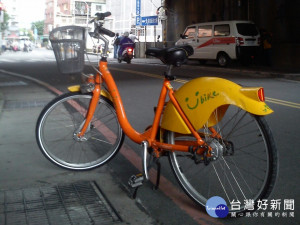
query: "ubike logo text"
200, 99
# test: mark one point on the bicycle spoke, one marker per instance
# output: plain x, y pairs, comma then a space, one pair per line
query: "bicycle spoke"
242, 173
64, 117
221, 183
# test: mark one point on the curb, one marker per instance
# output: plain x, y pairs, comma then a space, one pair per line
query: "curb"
130, 211
256, 71
1, 102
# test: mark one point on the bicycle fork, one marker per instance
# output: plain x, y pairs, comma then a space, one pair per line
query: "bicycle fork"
92, 108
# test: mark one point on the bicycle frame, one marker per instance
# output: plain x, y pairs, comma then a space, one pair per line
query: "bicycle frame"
199, 146
150, 134
207, 119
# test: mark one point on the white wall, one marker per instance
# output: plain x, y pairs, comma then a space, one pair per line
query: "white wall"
124, 12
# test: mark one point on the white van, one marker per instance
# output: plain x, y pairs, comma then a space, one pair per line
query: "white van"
222, 41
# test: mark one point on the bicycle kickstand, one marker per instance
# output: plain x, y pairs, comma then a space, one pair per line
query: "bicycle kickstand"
158, 175
135, 181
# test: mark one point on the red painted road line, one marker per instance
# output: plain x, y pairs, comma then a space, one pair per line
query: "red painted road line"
51, 88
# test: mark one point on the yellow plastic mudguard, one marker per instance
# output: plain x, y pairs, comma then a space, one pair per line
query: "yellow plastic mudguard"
74, 88
104, 93
200, 98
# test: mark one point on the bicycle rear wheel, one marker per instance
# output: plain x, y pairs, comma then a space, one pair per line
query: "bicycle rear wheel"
63, 117
245, 166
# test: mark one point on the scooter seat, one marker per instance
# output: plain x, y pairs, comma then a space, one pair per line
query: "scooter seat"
176, 55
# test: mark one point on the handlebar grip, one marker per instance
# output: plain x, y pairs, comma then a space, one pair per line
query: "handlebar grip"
103, 30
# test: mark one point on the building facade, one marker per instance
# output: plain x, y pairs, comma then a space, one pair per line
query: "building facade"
70, 12
11, 6
123, 18
124, 15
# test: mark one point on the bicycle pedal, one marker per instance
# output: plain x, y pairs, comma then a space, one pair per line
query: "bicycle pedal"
136, 181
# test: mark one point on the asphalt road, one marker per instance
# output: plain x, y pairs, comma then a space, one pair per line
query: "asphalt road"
139, 86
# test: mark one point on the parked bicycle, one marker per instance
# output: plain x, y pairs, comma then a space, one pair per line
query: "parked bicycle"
212, 130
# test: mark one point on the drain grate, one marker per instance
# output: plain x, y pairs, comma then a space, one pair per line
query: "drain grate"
78, 203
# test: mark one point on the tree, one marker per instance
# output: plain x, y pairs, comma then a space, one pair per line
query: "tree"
39, 25
27, 32
4, 25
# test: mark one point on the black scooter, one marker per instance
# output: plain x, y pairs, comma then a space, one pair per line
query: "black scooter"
127, 55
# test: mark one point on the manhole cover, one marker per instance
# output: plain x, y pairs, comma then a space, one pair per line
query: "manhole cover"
78, 203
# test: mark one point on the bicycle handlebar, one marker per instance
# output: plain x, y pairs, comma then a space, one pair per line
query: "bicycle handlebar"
100, 16
99, 26
99, 30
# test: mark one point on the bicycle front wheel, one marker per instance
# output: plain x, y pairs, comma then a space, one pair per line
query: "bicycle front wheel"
63, 118
244, 166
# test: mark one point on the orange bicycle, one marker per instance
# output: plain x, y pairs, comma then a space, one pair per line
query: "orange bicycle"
211, 129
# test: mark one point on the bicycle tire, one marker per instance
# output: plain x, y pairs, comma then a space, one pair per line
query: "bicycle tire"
60, 120
253, 148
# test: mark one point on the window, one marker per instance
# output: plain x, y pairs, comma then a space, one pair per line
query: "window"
140, 31
80, 20
81, 8
65, 6
247, 29
222, 30
204, 31
99, 8
190, 32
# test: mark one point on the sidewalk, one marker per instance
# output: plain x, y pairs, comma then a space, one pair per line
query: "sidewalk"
25, 172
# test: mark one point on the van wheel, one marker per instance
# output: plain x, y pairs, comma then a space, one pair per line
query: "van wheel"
223, 59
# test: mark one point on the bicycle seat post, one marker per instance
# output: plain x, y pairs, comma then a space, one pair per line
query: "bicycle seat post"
168, 73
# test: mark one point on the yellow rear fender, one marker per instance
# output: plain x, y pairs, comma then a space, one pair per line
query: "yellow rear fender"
201, 98
76, 88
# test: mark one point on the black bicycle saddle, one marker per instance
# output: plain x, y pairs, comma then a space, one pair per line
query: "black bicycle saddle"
175, 56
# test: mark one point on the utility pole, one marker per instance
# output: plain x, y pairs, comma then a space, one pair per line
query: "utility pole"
1, 21
162, 15
87, 13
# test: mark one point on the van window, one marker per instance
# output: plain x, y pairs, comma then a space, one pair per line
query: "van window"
247, 29
190, 32
204, 31
222, 30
